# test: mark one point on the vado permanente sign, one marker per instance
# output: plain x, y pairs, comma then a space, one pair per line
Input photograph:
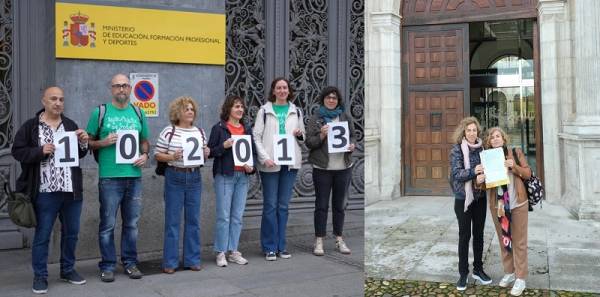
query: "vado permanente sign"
144, 92
85, 31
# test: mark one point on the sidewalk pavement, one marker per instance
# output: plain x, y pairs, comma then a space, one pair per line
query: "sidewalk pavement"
416, 238
303, 275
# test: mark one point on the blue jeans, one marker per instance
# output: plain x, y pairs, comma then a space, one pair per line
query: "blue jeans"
277, 192
124, 192
47, 207
182, 190
231, 192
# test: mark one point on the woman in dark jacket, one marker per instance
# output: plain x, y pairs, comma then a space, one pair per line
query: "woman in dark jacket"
331, 171
231, 182
55, 191
469, 204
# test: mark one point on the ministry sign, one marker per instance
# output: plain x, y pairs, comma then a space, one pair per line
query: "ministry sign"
85, 31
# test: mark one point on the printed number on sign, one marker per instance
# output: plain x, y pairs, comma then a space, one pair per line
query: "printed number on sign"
127, 146
242, 150
338, 137
284, 149
193, 148
66, 153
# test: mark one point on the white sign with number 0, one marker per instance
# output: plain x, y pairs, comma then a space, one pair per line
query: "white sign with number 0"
193, 148
66, 152
338, 137
284, 149
242, 150
127, 146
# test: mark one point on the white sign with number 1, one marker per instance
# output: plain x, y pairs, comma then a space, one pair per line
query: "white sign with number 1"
127, 146
284, 149
66, 153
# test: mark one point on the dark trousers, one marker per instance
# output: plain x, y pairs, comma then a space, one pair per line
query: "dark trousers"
334, 183
47, 207
473, 218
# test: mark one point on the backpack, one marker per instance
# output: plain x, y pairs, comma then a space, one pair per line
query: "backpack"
101, 114
534, 187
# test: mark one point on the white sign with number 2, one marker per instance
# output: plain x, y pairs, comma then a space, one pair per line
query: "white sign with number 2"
193, 148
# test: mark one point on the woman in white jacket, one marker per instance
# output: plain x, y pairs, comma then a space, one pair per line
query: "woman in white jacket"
279, 116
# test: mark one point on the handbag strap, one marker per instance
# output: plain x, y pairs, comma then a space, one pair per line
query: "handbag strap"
515, 157
170, 137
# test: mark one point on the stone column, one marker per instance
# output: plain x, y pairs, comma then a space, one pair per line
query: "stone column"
382, 87
556, 87
581, 133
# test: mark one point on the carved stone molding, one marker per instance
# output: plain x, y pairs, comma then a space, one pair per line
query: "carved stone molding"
417, 12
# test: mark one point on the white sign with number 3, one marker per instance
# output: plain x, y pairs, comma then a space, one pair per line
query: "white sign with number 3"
338, 137
284, 149
128, 148
242, 150
66, 153
193, 148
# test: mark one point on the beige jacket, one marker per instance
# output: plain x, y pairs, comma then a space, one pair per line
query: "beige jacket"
265, 130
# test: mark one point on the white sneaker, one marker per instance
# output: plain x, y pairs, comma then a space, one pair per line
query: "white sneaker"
221, 261
318, 250
341, 246
506, 280
236, 257
518, 287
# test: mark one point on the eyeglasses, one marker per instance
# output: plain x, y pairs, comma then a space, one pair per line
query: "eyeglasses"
332, 97
119, 86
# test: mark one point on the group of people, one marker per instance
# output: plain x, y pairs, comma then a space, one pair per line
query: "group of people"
58, 191
508, 204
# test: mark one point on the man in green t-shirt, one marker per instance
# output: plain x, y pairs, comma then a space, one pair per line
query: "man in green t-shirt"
120, 185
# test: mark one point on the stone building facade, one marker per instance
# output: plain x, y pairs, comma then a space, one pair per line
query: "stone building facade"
561, 51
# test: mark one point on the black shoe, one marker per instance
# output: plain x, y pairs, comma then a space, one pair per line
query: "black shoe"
107, 276
40, 285
133, 272
73, 277
284, 255
482, 277
461, 285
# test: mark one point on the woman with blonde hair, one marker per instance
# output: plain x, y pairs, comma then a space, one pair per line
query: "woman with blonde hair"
509, 207
467, 182
183, 186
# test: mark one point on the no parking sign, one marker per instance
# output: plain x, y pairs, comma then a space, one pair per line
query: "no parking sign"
144, 92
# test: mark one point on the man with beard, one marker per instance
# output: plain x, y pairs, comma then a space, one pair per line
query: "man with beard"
119, 185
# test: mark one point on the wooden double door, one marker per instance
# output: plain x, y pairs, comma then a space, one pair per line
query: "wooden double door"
436, 95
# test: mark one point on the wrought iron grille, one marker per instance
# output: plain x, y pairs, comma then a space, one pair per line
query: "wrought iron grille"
6, 64
6, 102
307, 26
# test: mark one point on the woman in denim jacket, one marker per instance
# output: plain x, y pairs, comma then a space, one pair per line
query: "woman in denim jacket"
469, 204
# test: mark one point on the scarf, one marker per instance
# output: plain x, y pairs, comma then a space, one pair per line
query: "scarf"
503, 193
465, 146
505, 220
329, 114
